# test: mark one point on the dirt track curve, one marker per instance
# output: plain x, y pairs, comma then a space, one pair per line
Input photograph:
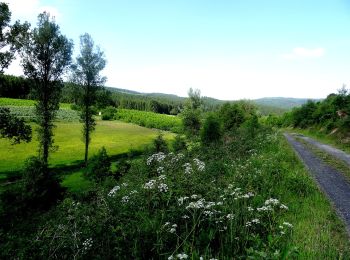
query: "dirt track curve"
331, 181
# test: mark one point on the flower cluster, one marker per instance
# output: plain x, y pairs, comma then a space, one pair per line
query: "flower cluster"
157, 157
200, 165
113, 191
87, 244
152, 184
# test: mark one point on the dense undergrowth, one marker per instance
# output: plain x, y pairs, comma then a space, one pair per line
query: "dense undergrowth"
246, 197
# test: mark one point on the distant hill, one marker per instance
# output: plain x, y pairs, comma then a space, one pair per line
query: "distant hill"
266, 106
282, 102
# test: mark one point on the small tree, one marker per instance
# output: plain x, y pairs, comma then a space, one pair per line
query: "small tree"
191, 115
14, 128
46, 55
86, 72
211, 131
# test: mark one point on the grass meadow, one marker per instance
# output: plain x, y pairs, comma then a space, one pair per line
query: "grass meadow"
117, 137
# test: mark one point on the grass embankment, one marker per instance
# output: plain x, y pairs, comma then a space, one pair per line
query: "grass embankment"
116, 137
321, 136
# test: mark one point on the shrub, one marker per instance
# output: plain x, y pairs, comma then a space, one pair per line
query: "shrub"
108, 113
98, 166
179, 143
40, 188
211, 130
159, 144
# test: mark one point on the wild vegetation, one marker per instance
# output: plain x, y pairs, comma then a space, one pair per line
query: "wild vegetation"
226, 186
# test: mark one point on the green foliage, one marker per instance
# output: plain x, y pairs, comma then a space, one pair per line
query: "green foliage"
108, 113
45, 56
159, 144
14, 128
99, 165
179, 143
329, 114
191, 121
150, 119
232, 116
86, 72
211, 130
10, 36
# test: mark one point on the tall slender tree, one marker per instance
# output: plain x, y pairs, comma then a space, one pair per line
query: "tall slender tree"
45, 56
86, 72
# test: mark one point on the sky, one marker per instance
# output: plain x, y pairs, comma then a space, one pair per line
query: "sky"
229, 49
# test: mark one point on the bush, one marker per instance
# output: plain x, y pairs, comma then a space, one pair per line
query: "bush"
160, 144
179, 143
98, 166
108, 113
211, 130
40, 188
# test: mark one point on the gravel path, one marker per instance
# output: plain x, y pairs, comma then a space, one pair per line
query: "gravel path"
327, 148
332, 182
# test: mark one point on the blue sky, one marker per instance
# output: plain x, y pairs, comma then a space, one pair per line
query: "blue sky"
227, 49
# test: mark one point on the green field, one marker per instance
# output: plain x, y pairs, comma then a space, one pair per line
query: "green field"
25, 103
117, 137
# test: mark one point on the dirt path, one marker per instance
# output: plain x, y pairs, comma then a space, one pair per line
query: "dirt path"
327, 148
332, 182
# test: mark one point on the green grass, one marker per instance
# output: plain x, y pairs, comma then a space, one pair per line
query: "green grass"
76, 183
25, 102
117, 137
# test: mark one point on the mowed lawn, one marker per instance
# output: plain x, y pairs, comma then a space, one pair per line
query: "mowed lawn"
117, 137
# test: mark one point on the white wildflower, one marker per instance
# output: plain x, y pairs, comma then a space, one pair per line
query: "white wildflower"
188, 168
163, 187
87, 244
170, 257
200, 165
196, 205
250, 209
113, 191
125, 199
160, 170
255, 221
162, 177
185, 217
272, 201
182, 256
194, 196
230, 216
149, 185
172, 230
282, 206
288, 224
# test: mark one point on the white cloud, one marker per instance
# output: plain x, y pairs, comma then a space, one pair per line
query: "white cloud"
304, 53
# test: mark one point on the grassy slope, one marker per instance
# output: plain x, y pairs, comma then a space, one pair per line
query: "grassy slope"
117, 137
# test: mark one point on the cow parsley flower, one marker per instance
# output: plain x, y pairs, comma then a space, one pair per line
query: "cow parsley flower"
150, 185
163, 187
113, 191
